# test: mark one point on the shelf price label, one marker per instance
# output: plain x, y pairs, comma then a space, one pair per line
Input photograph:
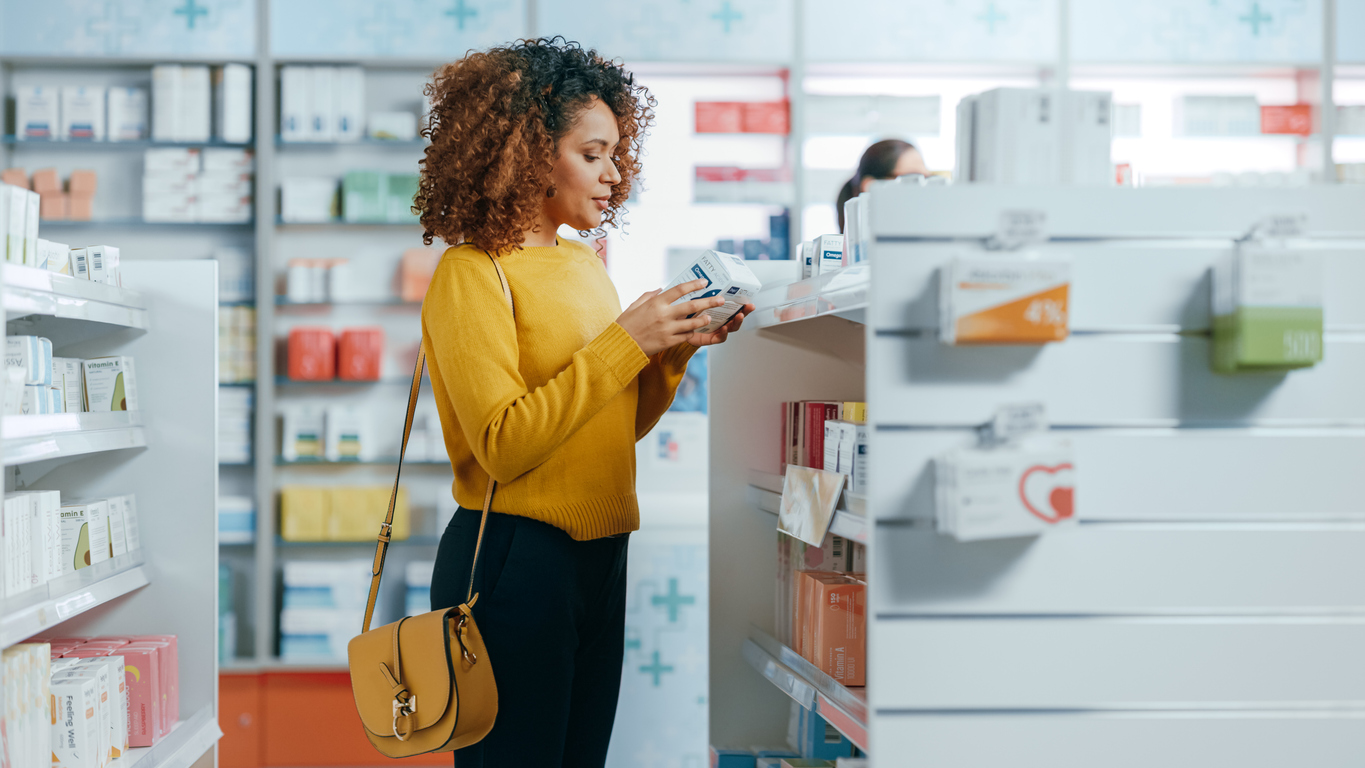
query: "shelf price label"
1017, 228
74, 604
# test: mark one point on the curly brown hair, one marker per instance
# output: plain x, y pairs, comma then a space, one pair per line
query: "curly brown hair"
496, 120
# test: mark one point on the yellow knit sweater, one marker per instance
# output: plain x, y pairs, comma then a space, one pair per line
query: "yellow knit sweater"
550, 404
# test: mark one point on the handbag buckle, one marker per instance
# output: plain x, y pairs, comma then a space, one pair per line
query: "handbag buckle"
403, 709
385, 531
468, 655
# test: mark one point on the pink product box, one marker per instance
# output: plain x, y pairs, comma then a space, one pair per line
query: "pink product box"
84, 652
142, 673
170, 669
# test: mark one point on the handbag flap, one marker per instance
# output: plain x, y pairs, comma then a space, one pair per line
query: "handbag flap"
425, 670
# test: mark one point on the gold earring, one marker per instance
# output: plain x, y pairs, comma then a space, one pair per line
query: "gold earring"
551, 191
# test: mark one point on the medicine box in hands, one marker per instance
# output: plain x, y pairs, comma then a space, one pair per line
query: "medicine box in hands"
1015, 490
1004, 300
110, 384
726, 276
1267, 309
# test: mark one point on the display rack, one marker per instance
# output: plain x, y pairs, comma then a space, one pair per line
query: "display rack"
168, 585
1203, 604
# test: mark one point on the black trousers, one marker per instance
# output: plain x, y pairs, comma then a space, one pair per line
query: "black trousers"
552, 612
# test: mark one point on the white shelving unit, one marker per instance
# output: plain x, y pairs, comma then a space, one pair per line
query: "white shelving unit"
170, 584
1206, 607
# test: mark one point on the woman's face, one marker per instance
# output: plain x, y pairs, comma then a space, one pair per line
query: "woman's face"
584, 171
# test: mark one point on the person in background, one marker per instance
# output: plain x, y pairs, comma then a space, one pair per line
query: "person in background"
887, 159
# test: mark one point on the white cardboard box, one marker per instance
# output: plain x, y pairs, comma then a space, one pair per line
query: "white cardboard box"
232, 97
196, 104
110, 384
348, 103
82, 113
36, 109
321, 123
85, 535
727, 276
167, 87
127, 119
295, 83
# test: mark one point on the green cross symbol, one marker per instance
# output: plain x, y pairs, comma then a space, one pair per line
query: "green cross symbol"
191, 11
656, 669
460, 13
727, 15
991, 16
1255, 18
673, 600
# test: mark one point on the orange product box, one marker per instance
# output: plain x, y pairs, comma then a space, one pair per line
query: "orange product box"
1004, 301
15, 177
415, 271
312, 354
360, 354
803, 631
142, 673
720, 116
54, 205
80, 206
839, 629
767, 117
1290, 119
82, 183
46, 180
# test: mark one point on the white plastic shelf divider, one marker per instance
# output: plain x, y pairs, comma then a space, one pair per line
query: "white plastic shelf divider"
28, 613
850, 517
33, 291
181, 748
841, 293
844, 708
60, 435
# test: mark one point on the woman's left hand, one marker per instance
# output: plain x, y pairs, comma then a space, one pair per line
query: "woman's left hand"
721, 333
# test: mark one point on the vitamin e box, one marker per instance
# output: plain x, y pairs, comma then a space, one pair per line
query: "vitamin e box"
110, 384
1004, 300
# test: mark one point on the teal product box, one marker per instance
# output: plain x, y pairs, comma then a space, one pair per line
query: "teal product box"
399, 190
731, 758
820, 741
1267, 309
362, 196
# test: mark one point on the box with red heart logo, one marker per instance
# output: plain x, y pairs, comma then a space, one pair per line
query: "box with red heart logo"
1014, 490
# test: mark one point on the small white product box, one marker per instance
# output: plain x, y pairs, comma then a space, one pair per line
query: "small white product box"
348, 103
1086, 138
75, 722
321, 124
846, 452
104, 703
348, 434
308, 199
166, 97
232, 99
228, 160
1016, 137
393, 126
118, 535
1013, 490
36, 110
195, 105
97, 263
82, 113
130, 524
85, 535
58, 258
171, 160
294, 103
31, 211
727, 276
36, 558
51, 504
26, 354
827, 254
110, 384
118, 699
127, 114
36, 401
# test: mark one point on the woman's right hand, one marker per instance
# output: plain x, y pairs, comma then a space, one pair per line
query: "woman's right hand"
656, 324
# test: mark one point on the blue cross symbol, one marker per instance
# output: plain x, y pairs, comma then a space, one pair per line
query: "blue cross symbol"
460, 13
384, 28
191, 11
633, 643
673, 600
656, 669
1255, 18
991, 16
727, 15
113, 26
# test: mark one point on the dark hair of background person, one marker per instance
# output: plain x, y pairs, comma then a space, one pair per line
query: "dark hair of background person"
878, 162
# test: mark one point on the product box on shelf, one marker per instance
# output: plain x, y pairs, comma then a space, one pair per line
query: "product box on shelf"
392, 126
308, 199
85, 534
143, 665
54, 257
36, 110
415, 272
348, 433
1267, 308
110, 384
232, 98
104, 703
236, 519
170, 673
1004, 300
727, 276
824, 254
838, 617
97, 263
127, 114
303, 433
1013, 490
312, 354
303, 513
131, 530
76, 723
360, 354
113, 667
348, 103
846, 452
82, 113
33, 356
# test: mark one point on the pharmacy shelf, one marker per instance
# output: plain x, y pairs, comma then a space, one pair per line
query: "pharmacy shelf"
284, 303
844, 708
116, 145
29, 613
63, 435
850, 517
280, 222
411, 541
841, 293
181, 748
365, 141
285, 381
32, 291
380, 461
245, 666
141, 224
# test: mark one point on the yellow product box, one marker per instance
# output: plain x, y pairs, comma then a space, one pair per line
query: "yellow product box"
304, 510
357, 511
110, 384
85, 535
1004, 300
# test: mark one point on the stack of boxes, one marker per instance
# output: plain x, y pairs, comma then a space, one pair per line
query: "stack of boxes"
367, 197
322, 103
236, 520
1035, 136
189, 185
323, 606
317, 354
19, 212
235, 405
341, 513
74, 200
236, 344
36, 382
109, 694
44, 538
743, 117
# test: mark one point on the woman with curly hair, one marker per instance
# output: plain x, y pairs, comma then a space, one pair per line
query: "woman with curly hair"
547, 399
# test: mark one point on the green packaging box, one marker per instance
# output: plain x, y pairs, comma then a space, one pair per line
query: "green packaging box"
1267, 310
399, 191
362, 196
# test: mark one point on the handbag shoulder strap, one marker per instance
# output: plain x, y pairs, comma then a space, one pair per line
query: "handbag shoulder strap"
386, 528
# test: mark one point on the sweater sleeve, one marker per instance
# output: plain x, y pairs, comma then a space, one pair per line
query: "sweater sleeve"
469, 331
658, 383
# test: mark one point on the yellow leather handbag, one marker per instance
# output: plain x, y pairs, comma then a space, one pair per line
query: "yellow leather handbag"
424, 684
